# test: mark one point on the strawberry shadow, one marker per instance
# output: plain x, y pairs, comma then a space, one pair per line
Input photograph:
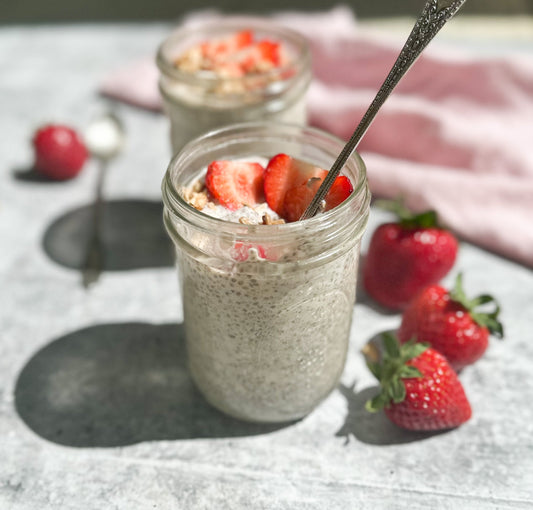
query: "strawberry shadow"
119, 384
132, 236
29, 174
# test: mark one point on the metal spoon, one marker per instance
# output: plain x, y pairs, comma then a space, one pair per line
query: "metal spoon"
432, 18
104, 138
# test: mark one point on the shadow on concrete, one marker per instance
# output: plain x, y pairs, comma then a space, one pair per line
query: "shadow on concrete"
119, 384
29, 174
132, 234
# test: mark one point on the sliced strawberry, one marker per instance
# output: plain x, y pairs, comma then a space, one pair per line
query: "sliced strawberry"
223, 48
298, 198
243, 38
290, 185
284, 172
235, 183
269, 51
260, 56
339, 192
241, 251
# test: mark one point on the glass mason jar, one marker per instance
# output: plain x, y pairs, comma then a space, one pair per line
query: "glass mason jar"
198, 102
267, 333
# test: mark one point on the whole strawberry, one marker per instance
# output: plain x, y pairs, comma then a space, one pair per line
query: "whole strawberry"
419, 389
451, 323
406, 256
59, 152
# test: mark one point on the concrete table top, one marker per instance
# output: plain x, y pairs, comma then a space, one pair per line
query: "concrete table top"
97, 410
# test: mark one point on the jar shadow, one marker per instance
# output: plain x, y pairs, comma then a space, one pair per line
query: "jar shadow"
119, 384
132, 234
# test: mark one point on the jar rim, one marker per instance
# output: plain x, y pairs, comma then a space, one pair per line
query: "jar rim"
300, 62
178, 206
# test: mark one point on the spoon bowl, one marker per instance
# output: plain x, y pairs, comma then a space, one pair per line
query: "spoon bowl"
104, 137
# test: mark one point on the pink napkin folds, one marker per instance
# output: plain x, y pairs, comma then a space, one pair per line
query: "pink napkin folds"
456, 135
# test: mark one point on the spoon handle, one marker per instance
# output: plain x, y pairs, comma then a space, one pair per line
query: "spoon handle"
432, 18
92, 267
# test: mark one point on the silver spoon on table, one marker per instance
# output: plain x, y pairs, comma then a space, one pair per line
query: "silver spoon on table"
104, 138
432, 18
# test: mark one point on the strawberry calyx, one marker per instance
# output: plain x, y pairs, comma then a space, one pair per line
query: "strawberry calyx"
408, 219
392, 369
487, 320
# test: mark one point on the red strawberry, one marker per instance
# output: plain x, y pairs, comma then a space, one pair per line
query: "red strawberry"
260, 56
449, 322
235, 183
290, 185
269, 51
224, 47
283, 173
339, 192
241, 251
59, 152
298, 198
419, 389
243, 38
405, 257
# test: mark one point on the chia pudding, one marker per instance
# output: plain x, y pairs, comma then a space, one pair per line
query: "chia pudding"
235, 70
267, 306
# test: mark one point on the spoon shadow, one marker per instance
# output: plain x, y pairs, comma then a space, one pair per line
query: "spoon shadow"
132, 235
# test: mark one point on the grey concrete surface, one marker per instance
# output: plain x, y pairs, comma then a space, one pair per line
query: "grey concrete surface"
97, 410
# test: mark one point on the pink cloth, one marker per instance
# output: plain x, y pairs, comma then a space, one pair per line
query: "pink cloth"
456, 135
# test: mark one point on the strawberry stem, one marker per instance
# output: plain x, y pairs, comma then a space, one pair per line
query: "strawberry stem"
392, 370
487, 320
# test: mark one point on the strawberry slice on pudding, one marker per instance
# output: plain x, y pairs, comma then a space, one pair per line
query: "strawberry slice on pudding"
290, 185
235, 184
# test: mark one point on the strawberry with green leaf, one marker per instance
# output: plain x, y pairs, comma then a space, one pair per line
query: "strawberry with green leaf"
456, 326
419, 389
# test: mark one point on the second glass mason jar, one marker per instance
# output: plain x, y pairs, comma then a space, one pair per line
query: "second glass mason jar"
267, 333
198, 102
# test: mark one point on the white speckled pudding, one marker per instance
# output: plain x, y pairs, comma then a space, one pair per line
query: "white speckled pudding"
267, 335
199, 102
